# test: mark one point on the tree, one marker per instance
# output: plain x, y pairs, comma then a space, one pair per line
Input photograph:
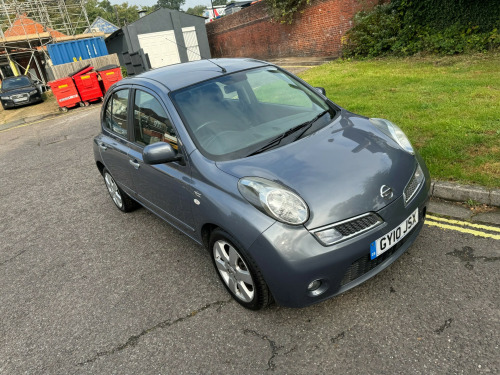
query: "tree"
197, 10
171, 4
119, 14
219, 2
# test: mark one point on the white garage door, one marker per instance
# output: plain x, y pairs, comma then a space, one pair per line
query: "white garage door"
193, 51
161, 48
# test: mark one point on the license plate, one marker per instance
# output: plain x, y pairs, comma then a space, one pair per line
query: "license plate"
18, 100
390, 239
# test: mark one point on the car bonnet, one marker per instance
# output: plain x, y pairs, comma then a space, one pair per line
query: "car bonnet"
338, 170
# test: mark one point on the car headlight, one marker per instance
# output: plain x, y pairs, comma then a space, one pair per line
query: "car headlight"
33, 92
274, 200
394, 132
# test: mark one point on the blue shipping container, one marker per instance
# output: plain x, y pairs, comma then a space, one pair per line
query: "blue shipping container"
76, 50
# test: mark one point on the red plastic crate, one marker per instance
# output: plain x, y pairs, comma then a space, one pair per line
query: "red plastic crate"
88, 85
110, 76
65, 91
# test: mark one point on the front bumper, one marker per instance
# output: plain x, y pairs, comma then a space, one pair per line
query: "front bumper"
33, 98
290, 257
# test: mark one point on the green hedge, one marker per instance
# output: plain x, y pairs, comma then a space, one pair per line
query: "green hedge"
441, 14
406, 27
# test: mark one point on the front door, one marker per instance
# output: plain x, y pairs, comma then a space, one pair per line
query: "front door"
163, 188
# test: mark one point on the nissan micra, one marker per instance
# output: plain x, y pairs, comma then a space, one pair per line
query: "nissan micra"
295, 198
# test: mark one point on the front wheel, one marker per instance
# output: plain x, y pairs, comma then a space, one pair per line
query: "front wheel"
238, 272
121, 200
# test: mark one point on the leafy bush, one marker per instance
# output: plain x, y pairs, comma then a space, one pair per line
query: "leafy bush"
406, 27
374, 33
284, 10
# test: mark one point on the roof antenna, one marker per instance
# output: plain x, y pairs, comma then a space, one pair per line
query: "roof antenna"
221, 68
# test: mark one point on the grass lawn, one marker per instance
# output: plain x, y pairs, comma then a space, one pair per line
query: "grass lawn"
448, 106
49, 105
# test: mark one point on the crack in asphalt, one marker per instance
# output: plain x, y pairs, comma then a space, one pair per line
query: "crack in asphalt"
467, 255
447, 324
337, 338
134, 339
272, 345
13, 257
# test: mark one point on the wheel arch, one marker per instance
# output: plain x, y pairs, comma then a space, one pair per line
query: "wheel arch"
100, 166
206, 231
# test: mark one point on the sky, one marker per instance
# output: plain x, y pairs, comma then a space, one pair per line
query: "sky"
188, 4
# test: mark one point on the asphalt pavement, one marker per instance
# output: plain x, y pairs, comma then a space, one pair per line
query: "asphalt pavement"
86, 289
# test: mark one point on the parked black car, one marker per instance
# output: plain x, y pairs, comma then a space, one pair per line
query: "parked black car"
21, 90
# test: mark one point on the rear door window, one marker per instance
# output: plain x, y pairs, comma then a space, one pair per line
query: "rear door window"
116, 113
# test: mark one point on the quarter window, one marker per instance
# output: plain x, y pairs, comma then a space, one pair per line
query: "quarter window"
151, 123
115, 118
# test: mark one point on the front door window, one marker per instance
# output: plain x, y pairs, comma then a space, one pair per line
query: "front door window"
151, 123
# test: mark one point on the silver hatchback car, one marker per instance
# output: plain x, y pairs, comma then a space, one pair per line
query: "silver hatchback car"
296, 198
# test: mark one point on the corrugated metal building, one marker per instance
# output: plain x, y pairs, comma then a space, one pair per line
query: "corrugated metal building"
163, 37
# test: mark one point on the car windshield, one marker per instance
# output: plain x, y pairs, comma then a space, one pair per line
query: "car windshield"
248, 112
14, 83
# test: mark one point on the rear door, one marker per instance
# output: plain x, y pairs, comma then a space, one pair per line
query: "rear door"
114, 144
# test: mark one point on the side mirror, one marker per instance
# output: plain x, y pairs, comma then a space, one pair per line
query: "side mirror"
321, 90
160, 153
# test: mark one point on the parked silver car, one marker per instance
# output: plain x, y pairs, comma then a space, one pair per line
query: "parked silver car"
296, 198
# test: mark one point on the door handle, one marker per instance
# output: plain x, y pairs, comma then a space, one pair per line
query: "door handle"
102, 146
134, 164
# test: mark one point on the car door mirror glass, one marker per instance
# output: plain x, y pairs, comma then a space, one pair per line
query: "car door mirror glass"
159, 153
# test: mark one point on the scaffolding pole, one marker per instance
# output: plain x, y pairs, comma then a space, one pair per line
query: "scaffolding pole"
25, 39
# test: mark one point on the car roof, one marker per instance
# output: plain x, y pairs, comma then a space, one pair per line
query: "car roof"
14, 78
181, 75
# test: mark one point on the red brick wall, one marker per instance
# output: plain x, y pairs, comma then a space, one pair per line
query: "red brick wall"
315, 32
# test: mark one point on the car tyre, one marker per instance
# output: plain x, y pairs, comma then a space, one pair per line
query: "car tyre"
238, 272
121, 200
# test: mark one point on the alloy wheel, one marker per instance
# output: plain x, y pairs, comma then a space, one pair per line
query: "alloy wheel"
234, 271
113, 189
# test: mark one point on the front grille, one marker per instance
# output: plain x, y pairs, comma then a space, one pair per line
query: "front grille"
354, 226
348, 228
364, 264
412, 187
20, 97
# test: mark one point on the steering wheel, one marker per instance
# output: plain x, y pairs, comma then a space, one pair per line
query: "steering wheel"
205, 124
217, 137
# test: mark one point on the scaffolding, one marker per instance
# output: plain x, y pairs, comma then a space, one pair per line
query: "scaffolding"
27, 26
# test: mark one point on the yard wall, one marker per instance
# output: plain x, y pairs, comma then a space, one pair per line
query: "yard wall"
316, 32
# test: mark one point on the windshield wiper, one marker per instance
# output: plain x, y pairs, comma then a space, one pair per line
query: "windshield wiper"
276, 141
307, 125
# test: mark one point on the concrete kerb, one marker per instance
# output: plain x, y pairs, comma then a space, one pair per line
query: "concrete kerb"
452, 191
29, 119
